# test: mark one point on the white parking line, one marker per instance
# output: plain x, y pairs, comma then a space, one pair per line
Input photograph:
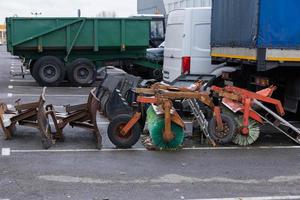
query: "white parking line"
98, 123
143, 149
47, 95
21, 80
255, 198
40, 88
55, 151
243, 148
5, 152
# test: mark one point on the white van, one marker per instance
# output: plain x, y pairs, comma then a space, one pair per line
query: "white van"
187, 45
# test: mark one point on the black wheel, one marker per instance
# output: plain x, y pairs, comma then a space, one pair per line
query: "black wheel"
115, 136
225, 136
31, 64
48, 71
157, 74
82, 72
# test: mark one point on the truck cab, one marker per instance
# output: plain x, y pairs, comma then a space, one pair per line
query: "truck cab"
157, 29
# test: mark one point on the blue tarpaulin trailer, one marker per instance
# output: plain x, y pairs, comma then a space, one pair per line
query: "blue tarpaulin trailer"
262, 38
256, 29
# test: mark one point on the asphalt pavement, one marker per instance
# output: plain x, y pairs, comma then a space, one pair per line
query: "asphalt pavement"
76, 170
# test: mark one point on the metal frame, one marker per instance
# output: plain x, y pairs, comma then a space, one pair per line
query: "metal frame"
238, 99
36, 115
30, 115
163, 95
82, 116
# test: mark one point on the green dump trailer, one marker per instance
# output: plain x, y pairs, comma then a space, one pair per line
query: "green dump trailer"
72, 49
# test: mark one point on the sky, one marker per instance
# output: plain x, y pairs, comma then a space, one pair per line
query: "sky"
65, 8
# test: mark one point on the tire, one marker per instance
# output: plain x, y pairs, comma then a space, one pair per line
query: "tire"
222, 138
157, 74
82, 72
31, 69
48, 71
115, 137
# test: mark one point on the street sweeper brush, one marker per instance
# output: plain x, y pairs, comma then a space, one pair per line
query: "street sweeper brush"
156, 127
250, 113
242, 139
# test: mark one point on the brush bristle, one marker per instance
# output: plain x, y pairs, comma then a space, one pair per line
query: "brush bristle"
156, 127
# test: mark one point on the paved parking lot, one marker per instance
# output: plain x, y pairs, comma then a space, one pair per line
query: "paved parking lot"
76, 170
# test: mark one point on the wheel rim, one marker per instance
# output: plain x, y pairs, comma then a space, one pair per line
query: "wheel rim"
254, 129
49, 73
223, 133
83, 74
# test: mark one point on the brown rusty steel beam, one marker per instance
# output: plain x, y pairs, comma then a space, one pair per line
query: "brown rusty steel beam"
22, 107
76, 108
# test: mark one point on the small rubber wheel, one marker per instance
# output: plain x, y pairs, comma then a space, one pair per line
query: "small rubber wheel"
82, 72
48, 71
225, 136
119, 140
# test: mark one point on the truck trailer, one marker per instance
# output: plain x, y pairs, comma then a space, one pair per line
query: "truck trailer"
72, 49
261, 38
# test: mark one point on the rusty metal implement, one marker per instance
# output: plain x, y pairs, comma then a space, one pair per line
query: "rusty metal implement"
81, 116
29, 115
37, 115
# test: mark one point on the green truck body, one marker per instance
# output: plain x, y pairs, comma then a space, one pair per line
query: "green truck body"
96, 41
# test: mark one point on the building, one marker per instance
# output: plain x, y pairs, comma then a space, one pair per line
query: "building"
165, 6
176, 4
151, 7
2, 34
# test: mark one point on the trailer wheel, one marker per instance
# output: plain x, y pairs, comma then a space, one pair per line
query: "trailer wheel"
225, 136
31, 64
48, 71
115, 136
82, 72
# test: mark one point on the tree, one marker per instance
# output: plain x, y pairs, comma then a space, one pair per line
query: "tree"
106, 14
